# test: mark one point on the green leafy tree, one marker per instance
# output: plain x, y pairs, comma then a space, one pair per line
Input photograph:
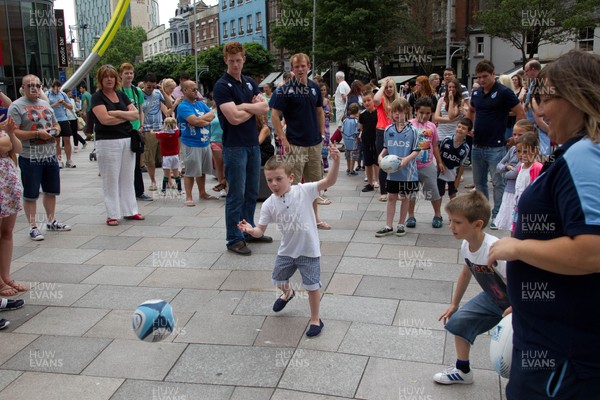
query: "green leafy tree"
346, 30
259, 61
125, 47
529, 24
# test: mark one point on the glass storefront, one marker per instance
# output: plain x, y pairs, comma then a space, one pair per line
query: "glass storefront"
27, 43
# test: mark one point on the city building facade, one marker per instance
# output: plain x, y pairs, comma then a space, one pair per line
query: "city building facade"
243, 21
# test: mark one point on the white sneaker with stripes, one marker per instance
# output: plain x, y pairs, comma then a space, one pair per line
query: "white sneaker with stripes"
452, 375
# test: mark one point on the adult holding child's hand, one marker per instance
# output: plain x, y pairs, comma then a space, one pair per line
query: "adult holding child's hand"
554, 263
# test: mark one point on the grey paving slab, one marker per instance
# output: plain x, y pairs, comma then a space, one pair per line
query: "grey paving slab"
208, 246
49, 255
198, 222
110, 243
58, 354
323, 372
279, 331
180, 259
135, 359
123, 297
420, 314
369, 250
330, 338
151, 231
282, 394
333, 248
160, 244
149, 221
19, 251
247, 393
139, 389
420, 253
12, 343
63, 321
61, 240
221, 329
53, 293
248, 280
98, 227
329, 264
398, 342
375, 267
344, 284
232, 261
335, 235
437, 271
111, 275
220, 365
405, 289
442, 240
6, 377
203, 233
355, 308
186, 278
368, 236
207, 301
43, 272
386, 379
34, 385
119, 257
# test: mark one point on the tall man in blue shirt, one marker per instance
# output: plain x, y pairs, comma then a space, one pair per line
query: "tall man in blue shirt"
489, 109
238, 102
299, 101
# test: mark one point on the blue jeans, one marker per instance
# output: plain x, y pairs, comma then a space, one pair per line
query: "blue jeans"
242, 171
484, 161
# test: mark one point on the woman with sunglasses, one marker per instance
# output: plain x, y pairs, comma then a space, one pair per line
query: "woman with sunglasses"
554, 264
113, 113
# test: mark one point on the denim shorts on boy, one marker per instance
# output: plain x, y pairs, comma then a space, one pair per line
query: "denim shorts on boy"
442, 188
170, 162
403, 188
553, 377
38, 172
309, 267
352, 155
478, 316
428, 178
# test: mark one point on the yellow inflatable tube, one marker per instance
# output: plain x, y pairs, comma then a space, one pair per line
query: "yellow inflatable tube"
100, 47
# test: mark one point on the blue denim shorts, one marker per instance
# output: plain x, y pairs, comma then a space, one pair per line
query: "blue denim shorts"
42, 172
478, 316
310, 270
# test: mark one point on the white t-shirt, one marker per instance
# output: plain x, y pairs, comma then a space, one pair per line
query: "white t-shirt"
295, 218
343, 88
523, 180
492, 280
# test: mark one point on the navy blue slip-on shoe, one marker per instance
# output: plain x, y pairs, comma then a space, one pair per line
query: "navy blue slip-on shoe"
7, 304
315, 330
280, 303
262, 239
4, 323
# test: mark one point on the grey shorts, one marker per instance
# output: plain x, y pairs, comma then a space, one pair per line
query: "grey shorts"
428, 181
310, 270
198, 160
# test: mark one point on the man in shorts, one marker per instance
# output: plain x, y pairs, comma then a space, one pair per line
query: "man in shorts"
38, 130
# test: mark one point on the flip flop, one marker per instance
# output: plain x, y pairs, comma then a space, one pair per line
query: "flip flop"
219, 187
190, 203
7, 290
17, 286
323, 201
323, 225
209, 197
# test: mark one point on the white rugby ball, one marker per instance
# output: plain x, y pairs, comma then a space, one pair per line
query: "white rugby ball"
501, 346
390, 164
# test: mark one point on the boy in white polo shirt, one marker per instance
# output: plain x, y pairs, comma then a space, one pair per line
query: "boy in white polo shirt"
290, 207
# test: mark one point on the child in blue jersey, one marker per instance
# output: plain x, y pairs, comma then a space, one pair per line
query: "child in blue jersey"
454, 151
400, 139
350, 131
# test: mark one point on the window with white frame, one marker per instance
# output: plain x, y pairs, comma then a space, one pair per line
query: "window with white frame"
479, 46
258, 22
225, 33
211, 28
249, 23
232, 27
586, 39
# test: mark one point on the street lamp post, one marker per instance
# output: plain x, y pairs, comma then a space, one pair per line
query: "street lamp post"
196, 43
313, 34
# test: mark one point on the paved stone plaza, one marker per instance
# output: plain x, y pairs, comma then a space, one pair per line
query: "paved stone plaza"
381, 298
